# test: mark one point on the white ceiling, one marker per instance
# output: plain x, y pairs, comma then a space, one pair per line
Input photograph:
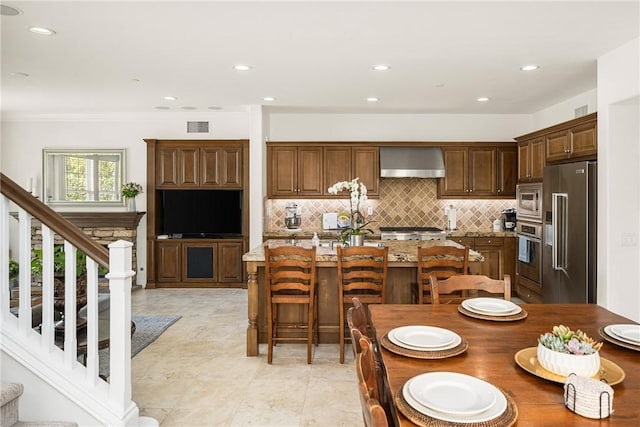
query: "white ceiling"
311, 56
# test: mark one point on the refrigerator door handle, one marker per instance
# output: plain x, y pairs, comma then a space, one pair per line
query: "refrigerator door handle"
559, 203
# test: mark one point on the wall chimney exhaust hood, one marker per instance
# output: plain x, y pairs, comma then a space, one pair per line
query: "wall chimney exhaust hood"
411, 162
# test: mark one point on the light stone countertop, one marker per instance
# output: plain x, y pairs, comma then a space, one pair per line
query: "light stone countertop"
333, 235
399, 250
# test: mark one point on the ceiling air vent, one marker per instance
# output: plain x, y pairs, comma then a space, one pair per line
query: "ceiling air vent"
197, 127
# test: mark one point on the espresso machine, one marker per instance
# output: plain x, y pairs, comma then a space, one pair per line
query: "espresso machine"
509, 219
292, 218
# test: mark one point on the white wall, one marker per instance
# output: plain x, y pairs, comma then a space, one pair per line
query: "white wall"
565, 110
619, 180
23, 141
398, 127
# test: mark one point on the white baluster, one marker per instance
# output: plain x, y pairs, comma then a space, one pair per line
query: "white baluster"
70, 310
24, 312
4, 255
93, 360
47, 328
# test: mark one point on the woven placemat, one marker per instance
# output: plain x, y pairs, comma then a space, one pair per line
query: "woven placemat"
518, 316
612, 340
419, 354
507, 418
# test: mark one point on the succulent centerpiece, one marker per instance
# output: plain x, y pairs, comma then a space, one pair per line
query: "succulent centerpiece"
564, 351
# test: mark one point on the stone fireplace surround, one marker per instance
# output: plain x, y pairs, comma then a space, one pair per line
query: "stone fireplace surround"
103, 227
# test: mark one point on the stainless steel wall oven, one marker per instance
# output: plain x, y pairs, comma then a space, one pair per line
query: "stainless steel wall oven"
529, 261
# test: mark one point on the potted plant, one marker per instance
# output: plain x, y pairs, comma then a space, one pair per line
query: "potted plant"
564, 352
357, 227
129, 191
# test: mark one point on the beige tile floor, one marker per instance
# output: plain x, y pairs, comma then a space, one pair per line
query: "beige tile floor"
197, 373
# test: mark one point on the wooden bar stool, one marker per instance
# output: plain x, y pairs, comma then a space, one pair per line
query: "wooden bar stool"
291, 279
362, 274
442, 262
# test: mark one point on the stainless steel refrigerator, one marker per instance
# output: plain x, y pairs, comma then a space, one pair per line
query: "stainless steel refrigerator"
569, 237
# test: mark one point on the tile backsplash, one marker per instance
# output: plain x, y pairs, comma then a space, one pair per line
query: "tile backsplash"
402, 202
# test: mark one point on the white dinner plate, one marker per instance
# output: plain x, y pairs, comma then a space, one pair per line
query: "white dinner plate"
495, 409
456, 342
424, 336
627, 333
453, 393
491, 306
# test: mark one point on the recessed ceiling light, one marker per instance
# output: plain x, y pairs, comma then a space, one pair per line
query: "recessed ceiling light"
18, 74
135, 80
41, 31
373, 99
188, 107
440, 85
381, 67
169, 98
482, 99
161, 107
529, 67
214, 108
241, 67
8, 11
268, 98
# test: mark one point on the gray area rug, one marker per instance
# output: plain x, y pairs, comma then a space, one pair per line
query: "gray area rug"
148, 329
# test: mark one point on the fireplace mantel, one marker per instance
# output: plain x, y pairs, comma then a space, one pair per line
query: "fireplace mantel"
128, 220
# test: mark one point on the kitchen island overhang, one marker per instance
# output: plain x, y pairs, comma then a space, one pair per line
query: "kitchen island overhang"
401, 278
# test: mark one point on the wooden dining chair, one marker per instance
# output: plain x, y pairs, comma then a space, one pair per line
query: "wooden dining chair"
357, 323
291, 279
469, 282
373, 412
441, 261
362, 274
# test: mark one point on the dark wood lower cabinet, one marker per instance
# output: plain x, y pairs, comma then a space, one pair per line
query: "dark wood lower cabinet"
230, 263
499, 256
199, 263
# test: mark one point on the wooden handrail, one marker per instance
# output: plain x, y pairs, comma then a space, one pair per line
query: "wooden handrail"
54, 221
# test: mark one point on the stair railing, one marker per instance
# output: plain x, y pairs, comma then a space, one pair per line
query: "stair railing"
108, 402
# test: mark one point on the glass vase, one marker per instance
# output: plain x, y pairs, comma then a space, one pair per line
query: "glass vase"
131, 204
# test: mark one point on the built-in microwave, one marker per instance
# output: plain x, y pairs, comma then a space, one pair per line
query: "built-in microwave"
529, 202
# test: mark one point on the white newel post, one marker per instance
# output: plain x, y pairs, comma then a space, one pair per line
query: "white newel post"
120, 275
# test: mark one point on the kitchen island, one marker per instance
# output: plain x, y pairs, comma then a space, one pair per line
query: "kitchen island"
401, 277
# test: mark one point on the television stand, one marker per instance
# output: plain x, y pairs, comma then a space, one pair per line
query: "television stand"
199, 262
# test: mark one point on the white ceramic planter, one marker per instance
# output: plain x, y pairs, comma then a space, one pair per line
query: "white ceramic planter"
565, 364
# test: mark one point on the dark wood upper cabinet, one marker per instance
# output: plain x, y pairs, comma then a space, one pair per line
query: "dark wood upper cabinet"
531, 160
297, 170
569, 141
479, 171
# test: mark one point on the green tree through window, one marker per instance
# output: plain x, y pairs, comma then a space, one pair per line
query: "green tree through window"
91, 178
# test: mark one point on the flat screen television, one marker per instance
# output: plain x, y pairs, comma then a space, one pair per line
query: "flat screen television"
202, 213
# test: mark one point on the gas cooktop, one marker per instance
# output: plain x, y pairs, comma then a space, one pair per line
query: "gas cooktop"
412, 233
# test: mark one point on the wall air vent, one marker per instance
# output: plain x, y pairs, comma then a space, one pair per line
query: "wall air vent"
581, 111
197, 127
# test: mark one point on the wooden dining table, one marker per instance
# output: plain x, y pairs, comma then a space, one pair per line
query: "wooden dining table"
489, 356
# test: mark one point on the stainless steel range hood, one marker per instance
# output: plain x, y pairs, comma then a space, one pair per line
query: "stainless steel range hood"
411, 162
